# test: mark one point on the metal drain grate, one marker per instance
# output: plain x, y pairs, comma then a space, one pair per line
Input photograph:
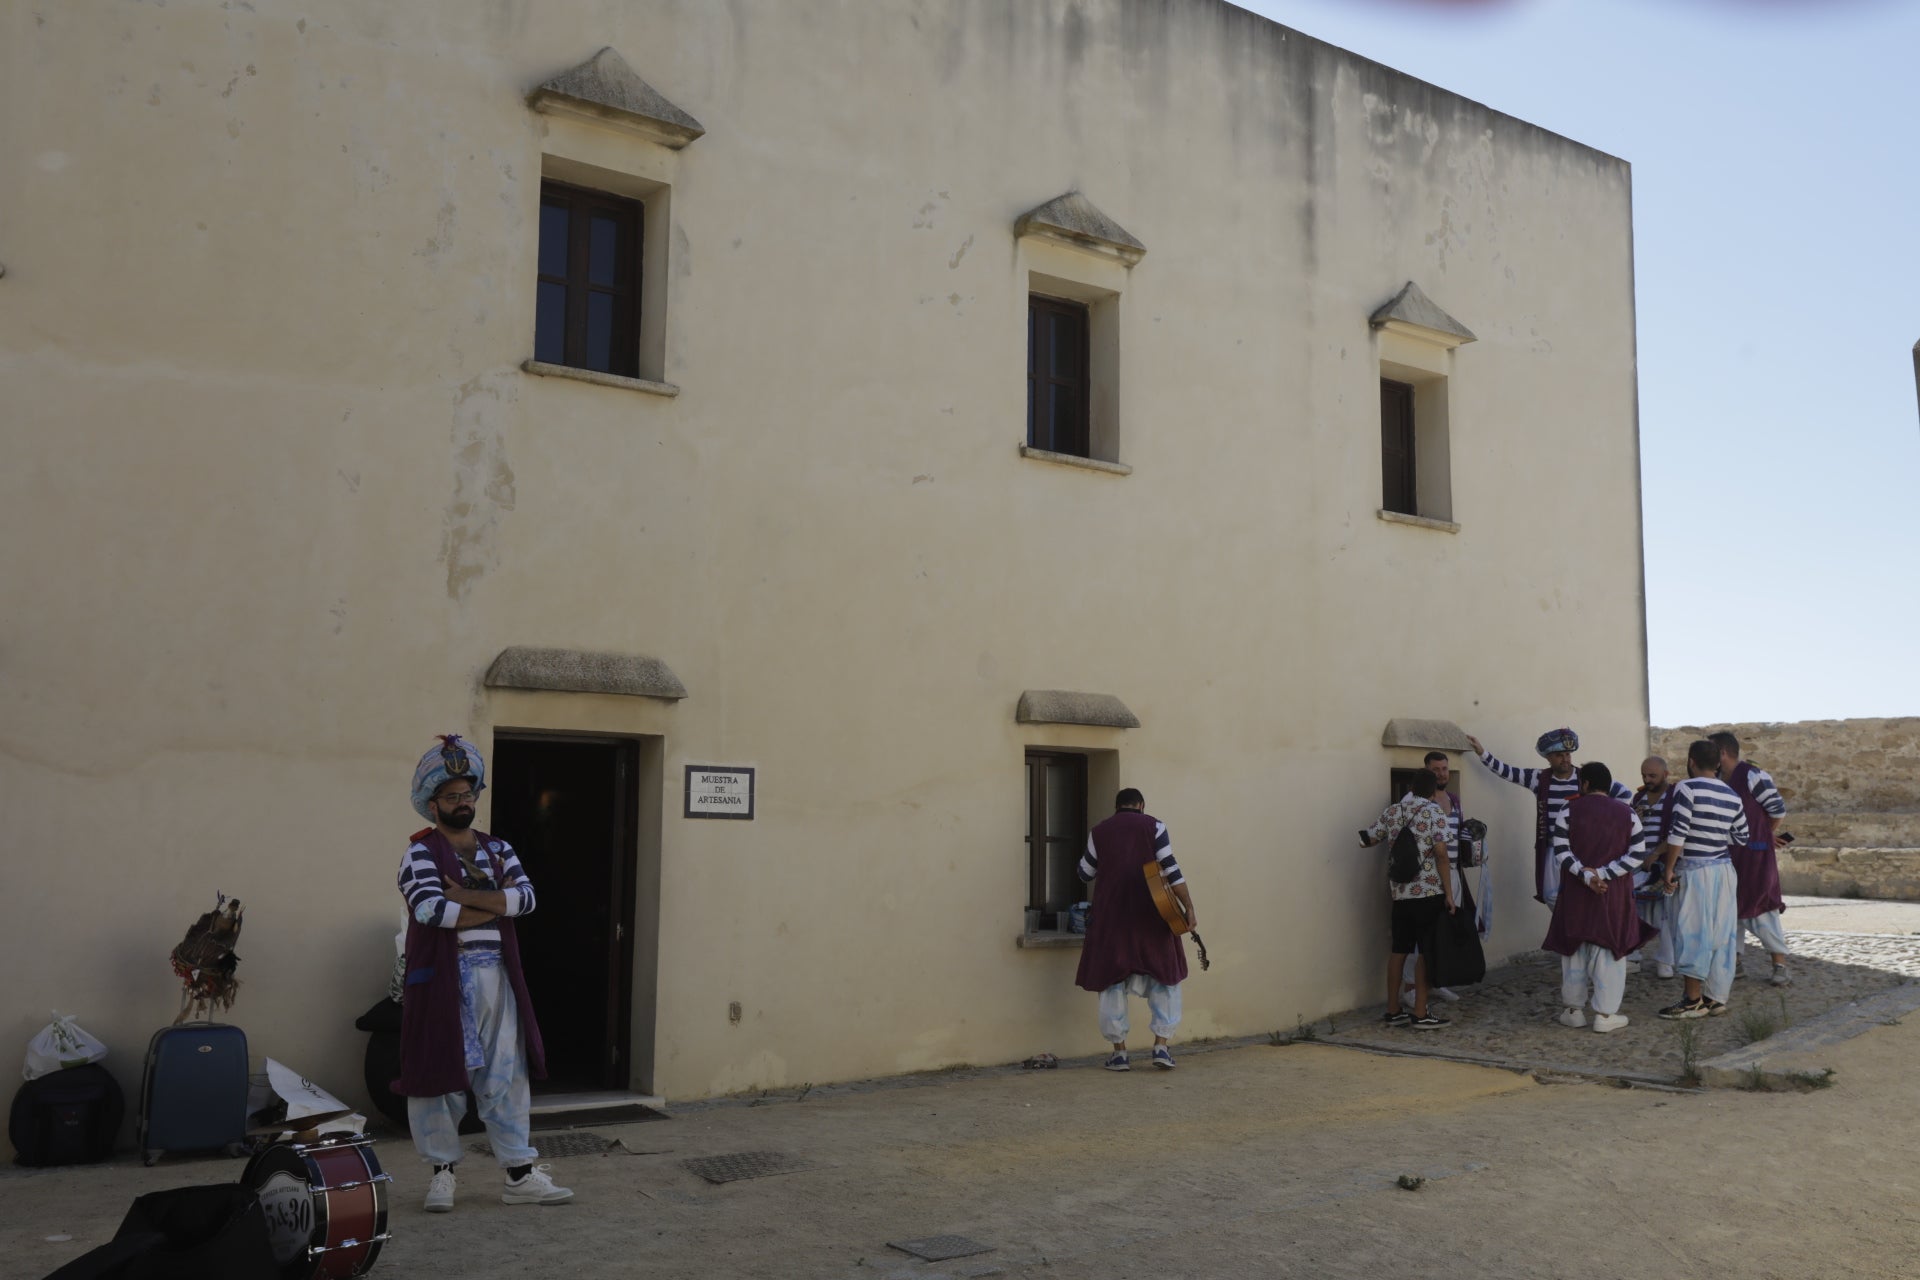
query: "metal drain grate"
940, 1248
745, 1164
574, 1142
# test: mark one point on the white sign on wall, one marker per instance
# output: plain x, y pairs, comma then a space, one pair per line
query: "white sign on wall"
719, 791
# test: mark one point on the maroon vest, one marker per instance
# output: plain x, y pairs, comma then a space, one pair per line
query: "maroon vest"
1599, 829
433, 1057
1125, 934
1756, 870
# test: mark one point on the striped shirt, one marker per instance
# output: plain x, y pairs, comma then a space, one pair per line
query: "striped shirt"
1626, 864
1765, 793
420, 884
1559, 790
1707, 817
1647, 807
1162, 854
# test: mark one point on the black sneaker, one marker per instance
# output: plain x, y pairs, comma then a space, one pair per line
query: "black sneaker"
1399, 1019
1694, 1008
1715, 1009
1428, 1022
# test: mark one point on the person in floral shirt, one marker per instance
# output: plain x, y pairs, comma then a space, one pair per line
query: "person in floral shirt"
1418, 904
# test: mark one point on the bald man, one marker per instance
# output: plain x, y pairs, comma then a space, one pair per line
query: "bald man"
1652, 804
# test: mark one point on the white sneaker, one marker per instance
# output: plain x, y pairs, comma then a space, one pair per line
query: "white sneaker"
1571, 1017
1448, 994
1665, 970
440, 1192
535, 1188
1605, 1022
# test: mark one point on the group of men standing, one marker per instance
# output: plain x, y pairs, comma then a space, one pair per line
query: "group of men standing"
1697, 858
1709, 876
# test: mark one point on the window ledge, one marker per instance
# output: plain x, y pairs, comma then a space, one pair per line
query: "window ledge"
1418, 522
594, 376
1070, 460
1050, 941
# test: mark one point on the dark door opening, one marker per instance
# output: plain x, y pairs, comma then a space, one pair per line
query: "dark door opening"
568, 807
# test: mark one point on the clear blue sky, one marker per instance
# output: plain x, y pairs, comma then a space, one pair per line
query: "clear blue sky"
1775, 147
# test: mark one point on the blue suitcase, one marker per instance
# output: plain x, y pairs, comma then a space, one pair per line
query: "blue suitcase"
193, 1094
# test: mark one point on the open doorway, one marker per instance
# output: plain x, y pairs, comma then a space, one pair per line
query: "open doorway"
569, 807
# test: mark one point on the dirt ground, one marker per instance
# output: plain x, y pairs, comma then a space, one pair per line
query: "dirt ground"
1249, 1160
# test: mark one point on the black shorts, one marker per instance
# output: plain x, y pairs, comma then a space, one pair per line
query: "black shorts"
1414, 922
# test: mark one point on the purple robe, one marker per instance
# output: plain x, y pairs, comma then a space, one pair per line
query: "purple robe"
1599, 828
1756, 870
1125, 934
433, 1057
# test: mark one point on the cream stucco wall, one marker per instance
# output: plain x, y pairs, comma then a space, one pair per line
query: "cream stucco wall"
277, 492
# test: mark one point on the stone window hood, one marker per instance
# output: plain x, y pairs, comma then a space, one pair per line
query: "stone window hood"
578, 671
1427, 735
1058, 706
606, 90
1072, 220
1413, 314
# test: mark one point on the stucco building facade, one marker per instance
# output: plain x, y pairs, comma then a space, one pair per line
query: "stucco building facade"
313, 453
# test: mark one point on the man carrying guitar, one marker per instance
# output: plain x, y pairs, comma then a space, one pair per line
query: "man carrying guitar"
1129, 948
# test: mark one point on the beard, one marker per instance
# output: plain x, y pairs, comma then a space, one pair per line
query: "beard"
458, 820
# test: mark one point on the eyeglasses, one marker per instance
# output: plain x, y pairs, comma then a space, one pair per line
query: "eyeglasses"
456, 797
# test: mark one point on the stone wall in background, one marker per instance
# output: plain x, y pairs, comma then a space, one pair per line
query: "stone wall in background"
1860, 768
1853, 799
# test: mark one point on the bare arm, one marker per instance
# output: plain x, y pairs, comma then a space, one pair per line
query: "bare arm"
1441, 861
1186, 903
470, 918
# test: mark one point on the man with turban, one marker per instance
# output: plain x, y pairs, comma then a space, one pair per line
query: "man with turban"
1552, 788
467, 1021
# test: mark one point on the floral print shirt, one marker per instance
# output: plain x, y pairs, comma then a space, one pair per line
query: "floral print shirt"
1429, 823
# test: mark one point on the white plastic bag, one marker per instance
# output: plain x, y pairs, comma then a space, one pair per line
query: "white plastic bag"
61, 1043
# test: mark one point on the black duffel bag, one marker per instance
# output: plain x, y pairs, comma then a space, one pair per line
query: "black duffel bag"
70, 1116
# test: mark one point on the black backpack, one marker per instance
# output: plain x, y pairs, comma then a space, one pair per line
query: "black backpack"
1403, 859
70, 1116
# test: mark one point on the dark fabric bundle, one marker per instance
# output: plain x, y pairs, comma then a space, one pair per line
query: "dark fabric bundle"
188, 1233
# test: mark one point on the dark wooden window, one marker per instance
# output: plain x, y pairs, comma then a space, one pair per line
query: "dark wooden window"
587, 314
1057, 376
1056, 829
1396, 448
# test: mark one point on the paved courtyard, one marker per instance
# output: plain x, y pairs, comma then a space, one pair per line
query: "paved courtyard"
1248, 1160
1869, 949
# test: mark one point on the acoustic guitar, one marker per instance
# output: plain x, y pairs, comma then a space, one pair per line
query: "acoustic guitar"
1170, 909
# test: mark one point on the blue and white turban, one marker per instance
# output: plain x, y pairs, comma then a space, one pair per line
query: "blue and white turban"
1557, 740
453, 759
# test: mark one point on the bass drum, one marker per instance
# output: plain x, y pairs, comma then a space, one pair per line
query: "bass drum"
325, 1205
